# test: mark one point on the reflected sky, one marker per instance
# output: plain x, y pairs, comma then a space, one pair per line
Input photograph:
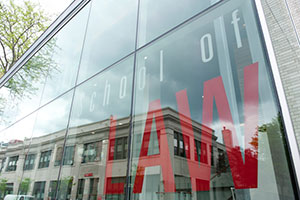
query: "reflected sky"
157, 17
110, 35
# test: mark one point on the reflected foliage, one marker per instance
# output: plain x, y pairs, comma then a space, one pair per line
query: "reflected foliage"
24, 186
20, 26
3, 182
35, 70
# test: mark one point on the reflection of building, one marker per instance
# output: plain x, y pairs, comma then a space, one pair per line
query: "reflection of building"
85, 155
206, 59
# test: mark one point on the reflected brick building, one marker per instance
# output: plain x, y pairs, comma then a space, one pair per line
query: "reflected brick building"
85, 156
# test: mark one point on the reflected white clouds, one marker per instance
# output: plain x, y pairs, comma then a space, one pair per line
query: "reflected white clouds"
16, 107
110, 35
59, 61
67, 46
54, 116
19, 131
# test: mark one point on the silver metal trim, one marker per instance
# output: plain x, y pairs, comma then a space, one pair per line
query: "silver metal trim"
281, 95
292, 20
70, 11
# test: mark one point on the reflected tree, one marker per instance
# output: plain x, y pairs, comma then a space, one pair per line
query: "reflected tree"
65, 187
3, 182
21, 25
36, 69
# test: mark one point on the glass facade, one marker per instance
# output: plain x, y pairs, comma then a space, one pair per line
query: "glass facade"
145, 99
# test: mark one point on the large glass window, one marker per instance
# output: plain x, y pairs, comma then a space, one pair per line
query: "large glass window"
206, 85
68, 158
99, 128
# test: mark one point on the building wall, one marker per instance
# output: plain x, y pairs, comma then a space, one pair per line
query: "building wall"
287, 50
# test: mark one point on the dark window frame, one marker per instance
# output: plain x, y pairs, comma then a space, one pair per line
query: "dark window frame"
12, 163
29, 165
42, 162
95, 156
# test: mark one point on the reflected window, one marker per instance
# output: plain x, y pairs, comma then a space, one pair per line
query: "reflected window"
52, 190
12, 164
201, 152
68, 157
117, 186
183, 187
91, 152
212, 156
9, 187
2, 164
80, 189
45, 159
58, 156
120, 150
180, 148
39, 190
93, 188
29, 162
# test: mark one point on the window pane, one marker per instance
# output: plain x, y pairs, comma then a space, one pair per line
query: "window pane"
21, 95
157, 17
66, 47
209, 80
99, 128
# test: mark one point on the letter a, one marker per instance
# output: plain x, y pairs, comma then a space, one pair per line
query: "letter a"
163, 159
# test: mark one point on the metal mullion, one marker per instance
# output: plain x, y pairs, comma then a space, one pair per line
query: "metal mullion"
291, 141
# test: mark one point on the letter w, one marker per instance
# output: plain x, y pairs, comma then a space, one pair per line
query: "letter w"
244, 172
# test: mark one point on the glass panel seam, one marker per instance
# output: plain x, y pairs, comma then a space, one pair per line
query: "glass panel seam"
129, 144
190, 19
72, 102
290, 140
